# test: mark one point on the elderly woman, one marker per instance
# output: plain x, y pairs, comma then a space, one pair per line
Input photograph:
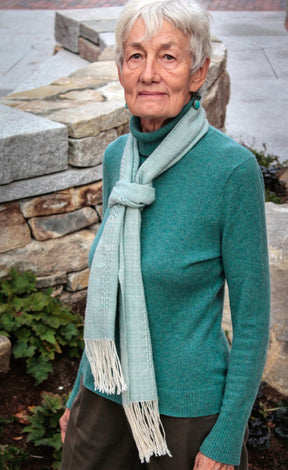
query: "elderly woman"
158, 386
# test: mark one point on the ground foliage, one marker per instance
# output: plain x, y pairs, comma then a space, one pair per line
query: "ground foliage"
37, 324
19, 396
271, 168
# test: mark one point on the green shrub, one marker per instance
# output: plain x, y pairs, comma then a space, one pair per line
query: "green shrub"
12, 457
44, 429
38, 325
266, 159
270, 166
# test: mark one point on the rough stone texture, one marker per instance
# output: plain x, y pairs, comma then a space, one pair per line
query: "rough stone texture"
277, 227
14, 229
66, 254
276, 370
42, 107
50, 183
90, 29
216, 100
83, 95
5, 354
78, 83
112, 91
68, 23
218, 62
63, 201
106, 71
59, 65
78, 281
284, 177
91, 119
55, 226
30, 146
107, 54
57, 279
73, 298
67, 31
88, 50
43, 92
89, 150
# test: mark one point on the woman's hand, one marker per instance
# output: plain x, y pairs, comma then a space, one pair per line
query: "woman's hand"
63, 423
204, 463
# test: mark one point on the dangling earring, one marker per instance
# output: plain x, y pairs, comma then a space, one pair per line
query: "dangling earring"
126, 106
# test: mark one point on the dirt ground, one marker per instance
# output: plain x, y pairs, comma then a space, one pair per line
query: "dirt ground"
18, 392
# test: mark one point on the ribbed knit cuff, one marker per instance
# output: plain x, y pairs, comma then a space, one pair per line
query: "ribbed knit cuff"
224, 442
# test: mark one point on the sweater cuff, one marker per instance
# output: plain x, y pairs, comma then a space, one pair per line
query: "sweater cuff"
224, 442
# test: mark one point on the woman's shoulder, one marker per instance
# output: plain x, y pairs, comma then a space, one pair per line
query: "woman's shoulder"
114, 150
226, 150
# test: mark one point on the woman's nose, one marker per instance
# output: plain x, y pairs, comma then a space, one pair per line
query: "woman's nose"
150, 71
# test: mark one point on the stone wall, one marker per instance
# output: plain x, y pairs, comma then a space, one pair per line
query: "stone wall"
52, 143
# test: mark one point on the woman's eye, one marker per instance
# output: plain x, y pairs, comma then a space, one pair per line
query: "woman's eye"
169, 57
136, 56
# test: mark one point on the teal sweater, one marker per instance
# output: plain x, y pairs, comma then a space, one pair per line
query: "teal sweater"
207, 225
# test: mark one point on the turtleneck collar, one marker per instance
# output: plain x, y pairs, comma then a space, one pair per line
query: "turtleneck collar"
148, 141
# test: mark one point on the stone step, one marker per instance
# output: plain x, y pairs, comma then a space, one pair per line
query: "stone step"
95, 25
61, 64
30, 146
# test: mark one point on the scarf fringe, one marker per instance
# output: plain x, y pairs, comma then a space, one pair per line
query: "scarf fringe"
147, 429
105, 366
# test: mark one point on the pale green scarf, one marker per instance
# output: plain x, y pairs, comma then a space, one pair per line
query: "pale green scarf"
116, 282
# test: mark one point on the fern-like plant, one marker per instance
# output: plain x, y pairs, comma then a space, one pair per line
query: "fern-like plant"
38, 325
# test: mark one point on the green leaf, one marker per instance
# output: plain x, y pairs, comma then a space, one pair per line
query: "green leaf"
39, 368
21, 350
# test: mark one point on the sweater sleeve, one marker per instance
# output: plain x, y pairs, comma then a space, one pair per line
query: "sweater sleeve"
246, 266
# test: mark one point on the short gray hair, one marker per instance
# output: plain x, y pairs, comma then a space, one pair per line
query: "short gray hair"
186, 15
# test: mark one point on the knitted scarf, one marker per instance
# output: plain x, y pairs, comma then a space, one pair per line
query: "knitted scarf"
115, 284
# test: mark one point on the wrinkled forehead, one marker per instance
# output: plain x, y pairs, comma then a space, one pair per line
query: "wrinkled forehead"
151, 27
141, 31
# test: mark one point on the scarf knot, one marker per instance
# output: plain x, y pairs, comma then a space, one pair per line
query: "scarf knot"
133, 195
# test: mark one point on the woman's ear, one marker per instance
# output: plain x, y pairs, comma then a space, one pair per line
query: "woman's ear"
199, 77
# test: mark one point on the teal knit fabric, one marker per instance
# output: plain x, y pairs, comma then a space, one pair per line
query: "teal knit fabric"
207, 224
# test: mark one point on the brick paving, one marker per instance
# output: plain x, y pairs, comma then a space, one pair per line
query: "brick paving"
227, 5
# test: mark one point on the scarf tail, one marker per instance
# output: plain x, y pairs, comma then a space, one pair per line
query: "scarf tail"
105, 366
147, 429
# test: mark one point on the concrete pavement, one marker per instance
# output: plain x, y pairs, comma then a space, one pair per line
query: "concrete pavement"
257, 44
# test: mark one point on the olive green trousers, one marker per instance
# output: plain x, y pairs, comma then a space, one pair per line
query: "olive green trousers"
98, 437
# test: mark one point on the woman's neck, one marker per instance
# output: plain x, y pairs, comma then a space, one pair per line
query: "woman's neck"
151, 125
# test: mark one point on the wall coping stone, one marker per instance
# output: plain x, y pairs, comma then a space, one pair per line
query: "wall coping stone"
50, 183
30, 145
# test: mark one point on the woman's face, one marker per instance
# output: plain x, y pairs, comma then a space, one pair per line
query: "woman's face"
156, 74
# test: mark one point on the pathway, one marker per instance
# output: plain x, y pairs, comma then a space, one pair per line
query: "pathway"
227, 5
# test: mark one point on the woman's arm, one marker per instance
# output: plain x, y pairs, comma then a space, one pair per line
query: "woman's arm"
246, 266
